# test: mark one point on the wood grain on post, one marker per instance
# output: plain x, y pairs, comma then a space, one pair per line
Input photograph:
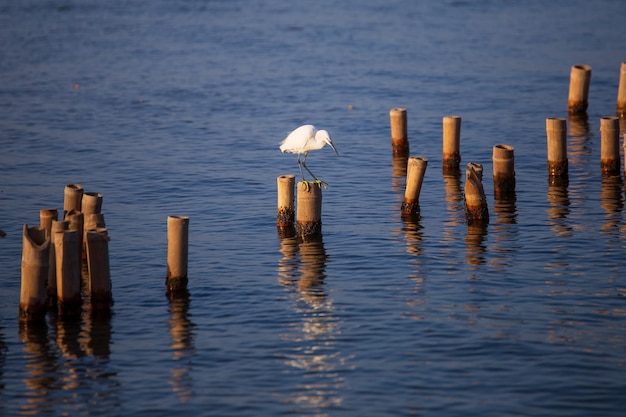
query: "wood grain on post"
476, 210
99, 282
621, 92
451, 156
57, 226
399, 135
35, 264
609, 146
557, 147
503, 169
286, 210
309, 211
177, 252
73, 196
91, 203
76, 221
416, 167
580, 78
67, 254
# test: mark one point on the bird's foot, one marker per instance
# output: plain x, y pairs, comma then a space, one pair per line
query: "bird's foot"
321, 183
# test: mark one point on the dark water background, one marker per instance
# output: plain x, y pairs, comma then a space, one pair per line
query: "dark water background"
177, 108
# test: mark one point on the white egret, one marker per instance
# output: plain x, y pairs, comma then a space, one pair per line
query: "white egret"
304, 139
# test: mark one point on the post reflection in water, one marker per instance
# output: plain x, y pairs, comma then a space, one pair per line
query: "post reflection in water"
475, 248
558, 198
183, 346
302, 270
504, 233
612, 202
67, 370
398, 173
579, 138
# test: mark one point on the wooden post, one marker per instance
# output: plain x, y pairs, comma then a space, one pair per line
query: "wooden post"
416, 168
73, 196
67, 254
557, 147
451, 157
91, 203
609, 146
99, 282
286, 210
503, 169
580, 77
621, 92
76, 221
35, 264
177, 253
57, 226
46, 216
309, 212
476, 210
399, 135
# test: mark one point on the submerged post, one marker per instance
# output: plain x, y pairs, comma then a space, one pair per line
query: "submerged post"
399, 135
68, 260
580, 77
621, 92
73, 196
35, 264
177, 253
451, 155
609, 146
416, 168
476, 210
99, 282
557, 147
286, 211
309, 211
503, 169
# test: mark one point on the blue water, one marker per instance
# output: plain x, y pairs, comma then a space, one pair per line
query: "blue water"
178, 107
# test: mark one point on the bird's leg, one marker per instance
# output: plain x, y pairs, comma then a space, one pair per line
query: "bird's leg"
319, 182
306, 183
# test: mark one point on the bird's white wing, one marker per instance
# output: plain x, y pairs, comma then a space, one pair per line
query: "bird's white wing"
297, 140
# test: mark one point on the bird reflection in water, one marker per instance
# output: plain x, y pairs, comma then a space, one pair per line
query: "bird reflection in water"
314, 355
183, 347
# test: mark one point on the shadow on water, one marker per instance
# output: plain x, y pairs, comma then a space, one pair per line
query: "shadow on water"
183, 347
314, 354
67, 366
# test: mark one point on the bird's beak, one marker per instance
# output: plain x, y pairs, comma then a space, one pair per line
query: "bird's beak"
333, 146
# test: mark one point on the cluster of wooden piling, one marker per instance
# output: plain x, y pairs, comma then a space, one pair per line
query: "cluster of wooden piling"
308, 215
475, 202
55, 254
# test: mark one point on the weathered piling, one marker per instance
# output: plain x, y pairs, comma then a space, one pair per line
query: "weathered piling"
57, 226
503, 169
580, 77
177, 253
46, 216
557, 148
399, 135
94, 221
416, 167
309, 212
99, 282
476, 209
35, 264
73, 196
76, 221
451, 155
621, 92
91, 203
609, 146
285, 211
68, 266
